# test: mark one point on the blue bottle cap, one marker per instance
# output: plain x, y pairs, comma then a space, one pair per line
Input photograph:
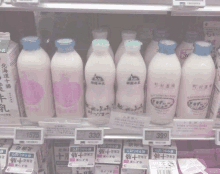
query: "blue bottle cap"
65, 45
100, 44
159, 34
167, 47
31, 43
191, 36
202, 48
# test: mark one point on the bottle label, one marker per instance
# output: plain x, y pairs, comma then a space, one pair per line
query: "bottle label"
67, 94
198, 104
136, 109
101, 111
97, 80
32, 91
133, 80
164, 100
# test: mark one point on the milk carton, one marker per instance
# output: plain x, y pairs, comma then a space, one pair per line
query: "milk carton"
106, 169
83, 170
162, 166
135, 155
11, 102
132, 171
24, 159
61, 156
164, 152
4, 149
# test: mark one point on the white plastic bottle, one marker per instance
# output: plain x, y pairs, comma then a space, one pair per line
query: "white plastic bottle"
164, 73
35, 76
214, 107
153, 47
67, 76
100, 34
131, 76
198, 73
126, 35
187, 46
100, 78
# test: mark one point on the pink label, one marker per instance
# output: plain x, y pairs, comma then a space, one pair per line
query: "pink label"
66, 93
11, 164
126, 161
184, 53
99, 155
72, 159
116, 171
32, 91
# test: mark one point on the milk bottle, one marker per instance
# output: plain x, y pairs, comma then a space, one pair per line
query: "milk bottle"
187, 46
34, 72
198, 73
131, 76
153, 47
163, 81
100, 78
99, 34
126, 35
67, 76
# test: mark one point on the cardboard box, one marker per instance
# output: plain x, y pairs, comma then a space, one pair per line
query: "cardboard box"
11, 100
61, 156
24, 159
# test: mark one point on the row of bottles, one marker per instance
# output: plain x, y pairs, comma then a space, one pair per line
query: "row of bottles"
127, 72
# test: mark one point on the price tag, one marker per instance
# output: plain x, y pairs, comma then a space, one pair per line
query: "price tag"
217, 136
29, 136
89, 136
157, 136
194, 3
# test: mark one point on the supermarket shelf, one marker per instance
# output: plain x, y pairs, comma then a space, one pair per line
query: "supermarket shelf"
92, 8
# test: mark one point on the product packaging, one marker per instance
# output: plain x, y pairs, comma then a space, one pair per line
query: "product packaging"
208, 155
135, 155
162, 166
164, 152
61, 156
83, 170
133, 171
106, 169
109, 152
4, 149
24, 159
11, 102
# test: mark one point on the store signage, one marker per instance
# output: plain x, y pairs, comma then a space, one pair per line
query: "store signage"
89, 136
29, 136
157, 136
192, 3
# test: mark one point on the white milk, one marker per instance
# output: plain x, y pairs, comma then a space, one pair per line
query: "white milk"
153, 47
99, 34
198, 73
214, 111
67, 75
100, 78
187, 46
131, 76
163, 80
126, 35
35, 76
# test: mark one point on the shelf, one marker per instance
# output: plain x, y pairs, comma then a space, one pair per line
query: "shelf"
112, 133
118, 7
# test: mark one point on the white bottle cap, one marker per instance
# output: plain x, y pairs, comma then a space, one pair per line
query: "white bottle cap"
133, 45
100, 33
128, 35
100, 44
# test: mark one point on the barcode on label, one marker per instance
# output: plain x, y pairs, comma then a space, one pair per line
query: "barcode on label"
164, 172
